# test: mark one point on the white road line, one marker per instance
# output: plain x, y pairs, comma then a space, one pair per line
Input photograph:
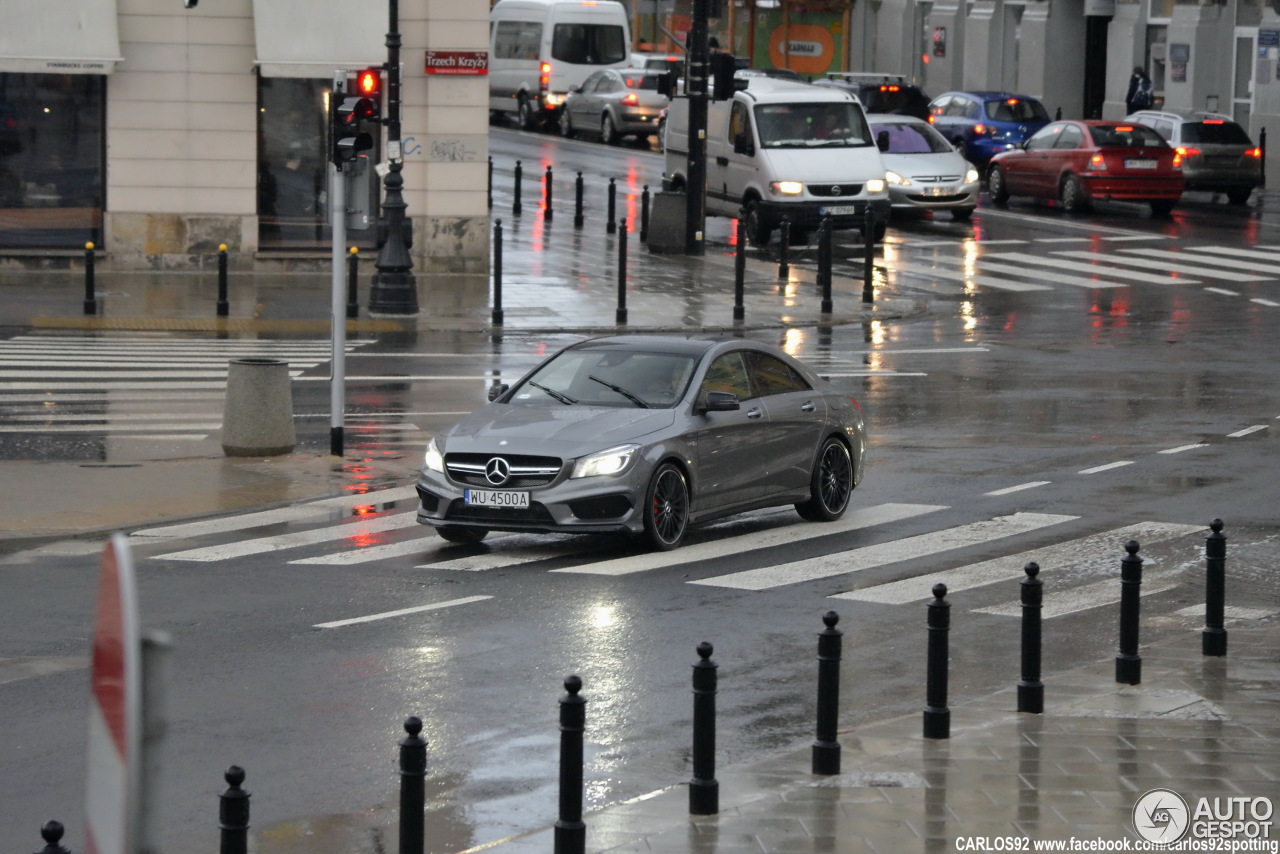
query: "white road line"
1029, 485
109, 428
497, 560
1245, 266
1096, 469
982, 263
354, 531
1151, 263
1224, 292
883, 554
422, 546
293, 513
1181, 448
386, 615
952, 275
1108, 545
411, 378
1232, 251
1246, 431
1230, 612
1139, 237
1267, 302
140, 397
779, 536
30, 360
34, 371
870, 373
1083, 598
1061, 239
1088, 268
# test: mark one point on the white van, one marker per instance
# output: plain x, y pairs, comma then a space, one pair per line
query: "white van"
540, 49
780, 148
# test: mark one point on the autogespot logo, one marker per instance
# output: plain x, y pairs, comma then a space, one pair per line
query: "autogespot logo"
1161, 815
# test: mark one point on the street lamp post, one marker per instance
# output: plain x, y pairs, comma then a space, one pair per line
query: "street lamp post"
394, 290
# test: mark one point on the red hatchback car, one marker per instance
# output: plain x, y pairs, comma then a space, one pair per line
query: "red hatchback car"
1077, 162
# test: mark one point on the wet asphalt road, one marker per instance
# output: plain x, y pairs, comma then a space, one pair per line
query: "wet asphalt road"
969, 404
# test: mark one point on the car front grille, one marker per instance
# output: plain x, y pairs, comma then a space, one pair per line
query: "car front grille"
834, 190
524, 471
534, 514
953, 197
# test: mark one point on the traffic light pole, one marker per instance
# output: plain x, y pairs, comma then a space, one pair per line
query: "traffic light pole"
337, 303
394, 290
696, 195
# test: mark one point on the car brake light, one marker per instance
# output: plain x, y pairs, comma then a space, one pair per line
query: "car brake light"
888, 88
630, 99
1096, 162
1012, 102
1212, 121
1177, 159
1124, 128
544, 81
979, 129
932, 118
1254, 152
1186, 151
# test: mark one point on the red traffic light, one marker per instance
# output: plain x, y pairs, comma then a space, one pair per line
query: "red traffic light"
369, 81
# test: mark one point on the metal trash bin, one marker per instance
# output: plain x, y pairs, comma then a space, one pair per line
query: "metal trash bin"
257, 420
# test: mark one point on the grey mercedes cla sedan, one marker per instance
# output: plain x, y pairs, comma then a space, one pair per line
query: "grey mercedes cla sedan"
645, 434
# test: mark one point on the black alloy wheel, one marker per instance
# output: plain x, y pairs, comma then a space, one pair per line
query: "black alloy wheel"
831, 484
666, 508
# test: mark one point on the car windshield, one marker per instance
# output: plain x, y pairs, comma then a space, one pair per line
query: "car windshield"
1016, 110
1212, 132
806, 125
1125, 136
911, 138
608, 377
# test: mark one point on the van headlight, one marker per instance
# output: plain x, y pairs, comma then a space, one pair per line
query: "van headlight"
611, 462
786, 188
433, 459
892, 178
875, 185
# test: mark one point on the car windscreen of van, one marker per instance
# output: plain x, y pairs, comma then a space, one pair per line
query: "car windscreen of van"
809, 125
589, 44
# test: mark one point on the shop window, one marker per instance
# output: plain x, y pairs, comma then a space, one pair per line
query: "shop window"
52, 160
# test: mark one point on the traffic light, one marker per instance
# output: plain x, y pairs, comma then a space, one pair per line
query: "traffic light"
348, 113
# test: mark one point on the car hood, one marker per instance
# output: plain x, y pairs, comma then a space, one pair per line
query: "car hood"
931, 164
568, 431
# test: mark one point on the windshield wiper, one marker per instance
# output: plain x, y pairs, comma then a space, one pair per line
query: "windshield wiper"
622, 391
558, 395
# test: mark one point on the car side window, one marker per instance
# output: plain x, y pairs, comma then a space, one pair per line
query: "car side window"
1045, 138
770, 375
589, 85
1165, 129
738, 122
1071, 137
728, 373
604, 84
939, 107
960, 107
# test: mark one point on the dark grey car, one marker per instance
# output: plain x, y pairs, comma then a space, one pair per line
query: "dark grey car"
645, 434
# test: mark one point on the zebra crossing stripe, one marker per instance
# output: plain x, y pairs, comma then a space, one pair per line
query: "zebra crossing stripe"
386, 615
1061, 603
354, 531
1049, 276
926, 272
1151, 263
1234, 252
895, 551
421, 546
779, 536
1247, 266
1025, 258
1105, 549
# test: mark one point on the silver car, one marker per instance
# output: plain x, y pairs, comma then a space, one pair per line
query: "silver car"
645, 434
613, 103
923, 170
1217, 154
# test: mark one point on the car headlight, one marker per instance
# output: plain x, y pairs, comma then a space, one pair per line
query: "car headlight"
433, 459
611, 462
971, 176
786, 188
894, 178
875, 185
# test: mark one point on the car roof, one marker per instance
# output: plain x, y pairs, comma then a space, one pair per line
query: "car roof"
694, 344
796, 90
989, 95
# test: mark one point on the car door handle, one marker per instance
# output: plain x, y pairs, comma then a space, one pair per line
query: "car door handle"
808, 406
754, 413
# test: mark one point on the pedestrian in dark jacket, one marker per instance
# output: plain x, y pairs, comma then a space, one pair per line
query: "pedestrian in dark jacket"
1139, 96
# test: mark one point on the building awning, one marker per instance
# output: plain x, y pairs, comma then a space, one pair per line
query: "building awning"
311, 38
59, 36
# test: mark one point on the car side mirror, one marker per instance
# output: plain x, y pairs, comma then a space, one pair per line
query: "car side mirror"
742, 144
882, 140
719, 401
497, 391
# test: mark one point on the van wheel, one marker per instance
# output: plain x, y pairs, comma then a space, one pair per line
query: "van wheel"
566, 125
1238, 197
608, 133
759, 230
524, 114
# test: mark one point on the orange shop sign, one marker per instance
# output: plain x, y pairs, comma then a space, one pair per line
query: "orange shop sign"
457, 62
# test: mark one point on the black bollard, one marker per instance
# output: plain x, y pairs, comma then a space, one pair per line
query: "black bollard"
546, 194
51, 833
937, 717
1128, 662
739, 268
610, 226
1057, 115
826, 749
704, 789
90, 300
497, 273
1262, 147
353, 282
824, 263
868, 255
515, 204
223, 307
233, 814
571, 831
577, 202
489, 188
1213, 640
1031, 689
784, 258
644, 214
413, 792
620, 317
